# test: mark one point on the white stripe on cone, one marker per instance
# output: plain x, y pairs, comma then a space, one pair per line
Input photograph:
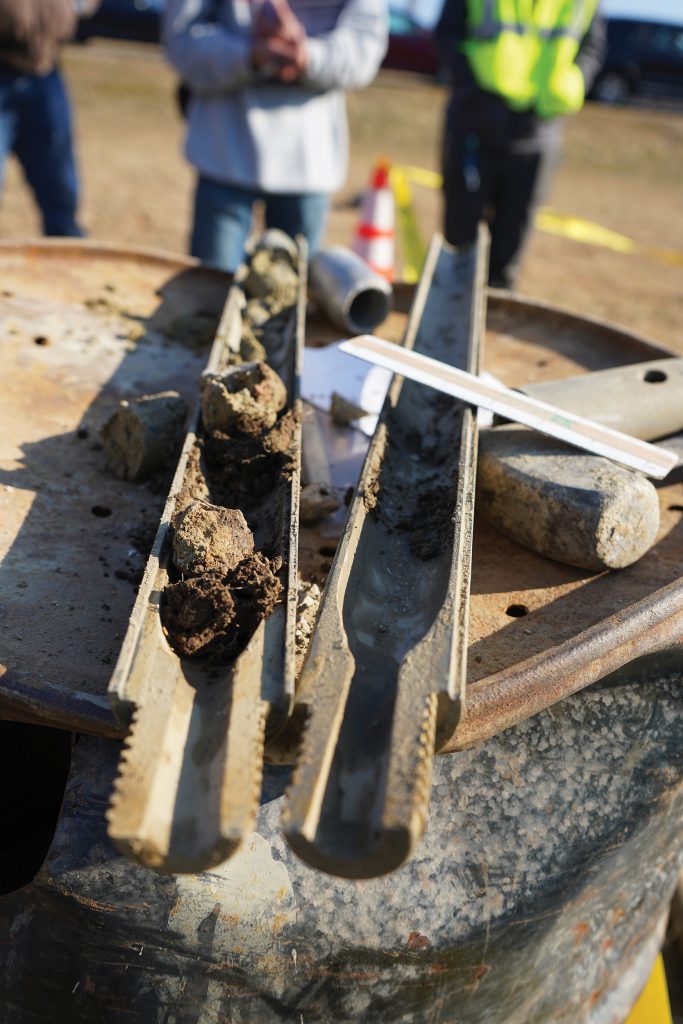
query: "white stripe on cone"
378, 252
377, 213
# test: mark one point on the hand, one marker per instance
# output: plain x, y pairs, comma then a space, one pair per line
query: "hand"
279, 59
276, 18
279, 47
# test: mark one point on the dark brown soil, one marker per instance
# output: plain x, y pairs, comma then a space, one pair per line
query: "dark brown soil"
431, 523
424, 506
243, 468
215, 615
197, 616
256, 590
245, 471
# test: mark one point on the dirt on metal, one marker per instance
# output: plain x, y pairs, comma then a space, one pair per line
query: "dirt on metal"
144, 435
243, 462
214, 615
207, 665
60, 504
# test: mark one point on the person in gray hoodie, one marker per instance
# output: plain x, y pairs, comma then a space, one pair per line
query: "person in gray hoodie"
35, 115
266, 113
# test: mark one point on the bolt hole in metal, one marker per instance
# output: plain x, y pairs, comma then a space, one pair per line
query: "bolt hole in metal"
101, 511
517, 611
655, 377
41, 340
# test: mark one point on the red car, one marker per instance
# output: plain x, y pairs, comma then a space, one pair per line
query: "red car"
411, 47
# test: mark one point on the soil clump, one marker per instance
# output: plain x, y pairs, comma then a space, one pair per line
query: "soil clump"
246, 398
272, 279
228, 536
197, 614
216, 614
210, 537
144, 435
431, 522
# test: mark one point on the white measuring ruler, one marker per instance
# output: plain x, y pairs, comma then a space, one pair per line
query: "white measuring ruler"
548, 419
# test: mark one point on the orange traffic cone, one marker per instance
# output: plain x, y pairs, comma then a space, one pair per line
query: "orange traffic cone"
375, 235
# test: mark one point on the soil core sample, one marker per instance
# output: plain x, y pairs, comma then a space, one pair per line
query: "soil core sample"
210, 537
197, 615
246, 398
144, 434
231, 529
215, 615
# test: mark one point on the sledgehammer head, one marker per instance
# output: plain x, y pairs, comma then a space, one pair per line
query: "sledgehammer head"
576, 508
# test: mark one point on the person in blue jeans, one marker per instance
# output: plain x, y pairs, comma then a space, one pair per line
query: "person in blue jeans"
35, 115
266, 111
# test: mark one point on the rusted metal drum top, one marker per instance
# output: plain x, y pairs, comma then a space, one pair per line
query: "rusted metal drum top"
82, 327
552, 849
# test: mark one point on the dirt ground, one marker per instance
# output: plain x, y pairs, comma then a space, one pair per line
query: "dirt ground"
621, 169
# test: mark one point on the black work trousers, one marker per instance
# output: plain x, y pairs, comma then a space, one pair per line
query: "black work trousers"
502, 181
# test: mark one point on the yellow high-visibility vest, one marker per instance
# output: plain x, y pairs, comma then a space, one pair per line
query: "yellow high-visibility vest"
525, 51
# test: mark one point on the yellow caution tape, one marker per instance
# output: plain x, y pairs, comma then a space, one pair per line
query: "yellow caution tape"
671, 256
653, 1005
421, 176
565, 225
412, 246
585, 231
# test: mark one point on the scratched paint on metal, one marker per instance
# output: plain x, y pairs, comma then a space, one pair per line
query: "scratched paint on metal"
250, 899
549, 858
82, 328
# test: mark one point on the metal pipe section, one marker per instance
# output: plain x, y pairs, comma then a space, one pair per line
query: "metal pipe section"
355, 298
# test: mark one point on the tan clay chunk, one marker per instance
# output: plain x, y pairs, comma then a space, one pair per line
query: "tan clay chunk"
271, 277
144, 434
210, 537
317, 501
246, 398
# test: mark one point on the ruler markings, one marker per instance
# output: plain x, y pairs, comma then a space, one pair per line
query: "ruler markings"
576, 430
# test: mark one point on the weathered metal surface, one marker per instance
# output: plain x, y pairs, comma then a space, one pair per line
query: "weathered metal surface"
643, 400
549, 859
540, 630
552, 848
82, 327
63, 292
384, 679
190, 776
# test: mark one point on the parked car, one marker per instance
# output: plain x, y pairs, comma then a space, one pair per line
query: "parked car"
411, 47
644, 58
138, 20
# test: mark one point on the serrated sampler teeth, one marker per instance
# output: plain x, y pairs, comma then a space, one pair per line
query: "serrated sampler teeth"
384, 679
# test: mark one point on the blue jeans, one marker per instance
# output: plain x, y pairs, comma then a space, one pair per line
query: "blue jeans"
35, 125
222, 220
